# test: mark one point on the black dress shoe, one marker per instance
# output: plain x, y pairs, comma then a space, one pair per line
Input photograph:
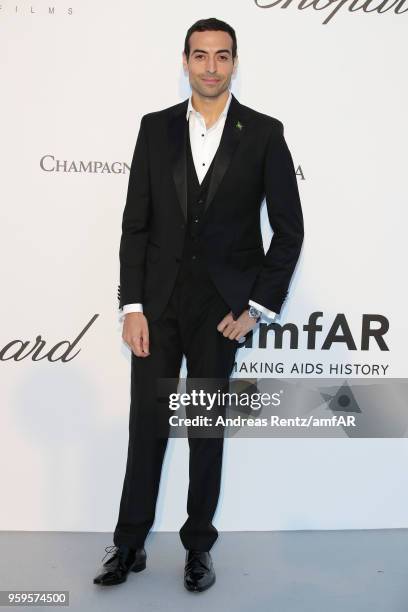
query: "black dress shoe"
198, 571
117, 567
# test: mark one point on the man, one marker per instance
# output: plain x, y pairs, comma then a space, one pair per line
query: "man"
194, 278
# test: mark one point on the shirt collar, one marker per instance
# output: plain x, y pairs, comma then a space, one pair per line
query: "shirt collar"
191, 109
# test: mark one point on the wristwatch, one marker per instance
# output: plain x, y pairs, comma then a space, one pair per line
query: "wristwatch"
254, 313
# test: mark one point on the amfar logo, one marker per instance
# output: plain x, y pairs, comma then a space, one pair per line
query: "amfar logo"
373, 327
48, 163
354, 5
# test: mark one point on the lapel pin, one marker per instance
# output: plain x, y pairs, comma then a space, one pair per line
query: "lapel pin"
239, 125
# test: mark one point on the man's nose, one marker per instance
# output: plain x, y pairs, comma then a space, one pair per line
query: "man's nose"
211, 65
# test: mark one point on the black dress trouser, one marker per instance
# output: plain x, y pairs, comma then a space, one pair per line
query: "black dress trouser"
188, 326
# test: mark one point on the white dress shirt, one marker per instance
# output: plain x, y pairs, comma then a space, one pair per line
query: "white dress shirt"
204, 144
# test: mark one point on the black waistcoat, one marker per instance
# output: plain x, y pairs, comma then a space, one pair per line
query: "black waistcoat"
196, 196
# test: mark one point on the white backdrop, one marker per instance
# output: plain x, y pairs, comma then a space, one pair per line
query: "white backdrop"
75, 83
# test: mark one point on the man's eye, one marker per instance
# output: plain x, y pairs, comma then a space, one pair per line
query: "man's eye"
223, 57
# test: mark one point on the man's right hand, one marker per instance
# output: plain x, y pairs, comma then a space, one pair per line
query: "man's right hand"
136, 333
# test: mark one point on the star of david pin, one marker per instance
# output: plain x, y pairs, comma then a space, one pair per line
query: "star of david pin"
239, 125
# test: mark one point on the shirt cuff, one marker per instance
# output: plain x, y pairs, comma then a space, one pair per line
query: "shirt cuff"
267, 315
129, 308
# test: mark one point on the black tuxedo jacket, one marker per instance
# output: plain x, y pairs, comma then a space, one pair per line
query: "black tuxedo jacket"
252, 162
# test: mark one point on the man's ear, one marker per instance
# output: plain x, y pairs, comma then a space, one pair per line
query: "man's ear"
185, 66
235, 65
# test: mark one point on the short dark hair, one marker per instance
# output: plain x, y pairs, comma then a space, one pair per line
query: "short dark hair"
210, 24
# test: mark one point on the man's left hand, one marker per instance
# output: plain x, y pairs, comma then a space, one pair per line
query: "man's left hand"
236, 329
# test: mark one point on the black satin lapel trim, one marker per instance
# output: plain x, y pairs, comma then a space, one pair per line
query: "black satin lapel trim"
178, 142
230, 139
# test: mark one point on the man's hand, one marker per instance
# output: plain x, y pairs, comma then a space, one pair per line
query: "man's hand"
236, 329
136, 333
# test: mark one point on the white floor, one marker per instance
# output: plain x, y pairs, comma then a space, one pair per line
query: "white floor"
297, 571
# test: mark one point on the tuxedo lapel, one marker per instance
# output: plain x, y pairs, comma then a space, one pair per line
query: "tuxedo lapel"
177, 127
234, 128
230, 139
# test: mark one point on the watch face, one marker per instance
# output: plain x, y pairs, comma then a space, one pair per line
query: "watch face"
254, 312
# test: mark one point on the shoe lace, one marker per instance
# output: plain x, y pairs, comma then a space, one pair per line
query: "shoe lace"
110, 549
